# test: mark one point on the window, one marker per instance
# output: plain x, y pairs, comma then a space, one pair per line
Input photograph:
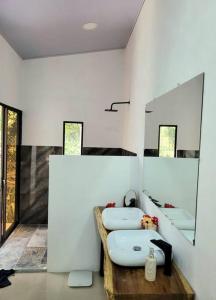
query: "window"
73, 138
167, 140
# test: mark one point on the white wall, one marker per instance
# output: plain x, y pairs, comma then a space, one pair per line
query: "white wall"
77, 184
77, 88
172, 42
10, 68
74, 87
172, 181
182, 107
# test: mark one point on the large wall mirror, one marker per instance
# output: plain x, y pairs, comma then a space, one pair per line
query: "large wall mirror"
171, 154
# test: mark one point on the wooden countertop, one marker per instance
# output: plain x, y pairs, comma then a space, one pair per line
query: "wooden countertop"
124, 283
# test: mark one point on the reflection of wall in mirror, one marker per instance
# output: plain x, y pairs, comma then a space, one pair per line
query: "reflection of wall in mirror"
172, 181
181, 107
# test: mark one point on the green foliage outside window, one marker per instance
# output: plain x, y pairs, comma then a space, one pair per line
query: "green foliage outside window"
12, 129
73, 138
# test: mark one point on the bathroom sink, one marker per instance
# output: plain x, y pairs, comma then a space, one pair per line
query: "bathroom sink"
189, 234
130, 247
181, 218
176, 213
122, 218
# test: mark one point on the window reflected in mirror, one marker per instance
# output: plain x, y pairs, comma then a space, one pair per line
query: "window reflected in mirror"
167, 141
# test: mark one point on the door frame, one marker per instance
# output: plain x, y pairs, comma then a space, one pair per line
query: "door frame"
3, 172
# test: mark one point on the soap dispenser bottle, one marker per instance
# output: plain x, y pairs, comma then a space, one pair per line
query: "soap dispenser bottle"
150, 266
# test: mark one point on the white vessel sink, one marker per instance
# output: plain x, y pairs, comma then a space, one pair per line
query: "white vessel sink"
176, 213
189, 234
122, 218
130, 247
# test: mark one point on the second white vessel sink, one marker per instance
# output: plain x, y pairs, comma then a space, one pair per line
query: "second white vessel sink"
122, 218
131, 247
181, 218
176, 213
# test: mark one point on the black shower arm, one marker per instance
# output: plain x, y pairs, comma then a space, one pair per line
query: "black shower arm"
127, 102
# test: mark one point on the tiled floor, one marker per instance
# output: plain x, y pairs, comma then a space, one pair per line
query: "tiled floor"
47, 286
26, 249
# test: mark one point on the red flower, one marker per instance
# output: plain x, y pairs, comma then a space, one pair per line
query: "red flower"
167, 205
155, 220
110, 204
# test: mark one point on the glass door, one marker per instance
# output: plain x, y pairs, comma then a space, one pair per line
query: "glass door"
10, 150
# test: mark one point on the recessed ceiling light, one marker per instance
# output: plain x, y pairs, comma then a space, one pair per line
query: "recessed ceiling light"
90, 26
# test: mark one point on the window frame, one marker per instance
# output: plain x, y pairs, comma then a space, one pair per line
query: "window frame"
175, 149
73, 122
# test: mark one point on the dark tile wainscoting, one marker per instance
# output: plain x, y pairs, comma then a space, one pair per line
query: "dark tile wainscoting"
151, 152
106, 151
34, 178
188, 153
180, 153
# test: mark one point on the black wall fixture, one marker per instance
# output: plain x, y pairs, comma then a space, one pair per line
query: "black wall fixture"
116, 103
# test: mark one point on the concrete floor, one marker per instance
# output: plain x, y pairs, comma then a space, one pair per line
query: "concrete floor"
49, 286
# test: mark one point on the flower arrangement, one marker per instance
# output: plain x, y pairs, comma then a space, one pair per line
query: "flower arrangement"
110, 205
149, 222
168, 205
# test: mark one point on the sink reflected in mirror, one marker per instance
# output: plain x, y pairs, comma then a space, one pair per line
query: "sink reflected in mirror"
182, 220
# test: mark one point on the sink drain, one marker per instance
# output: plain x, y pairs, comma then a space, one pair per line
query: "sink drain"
137, 248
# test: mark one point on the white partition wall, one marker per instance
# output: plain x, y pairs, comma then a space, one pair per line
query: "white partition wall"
77, 184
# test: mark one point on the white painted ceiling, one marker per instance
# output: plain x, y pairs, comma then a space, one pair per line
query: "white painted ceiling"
41, 28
